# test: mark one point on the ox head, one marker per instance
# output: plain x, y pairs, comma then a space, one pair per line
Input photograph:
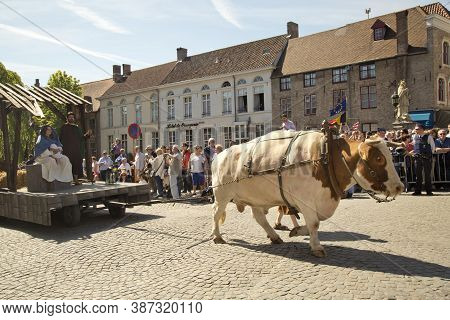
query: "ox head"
375, 169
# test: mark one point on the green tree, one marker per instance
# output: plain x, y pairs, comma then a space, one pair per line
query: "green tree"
59, 79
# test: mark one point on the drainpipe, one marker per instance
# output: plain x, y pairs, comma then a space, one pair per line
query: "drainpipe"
235, 98
159, 120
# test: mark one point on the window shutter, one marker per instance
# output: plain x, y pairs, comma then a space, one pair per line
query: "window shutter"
214, 134
177, 137
166, 137
200, 137
252, 129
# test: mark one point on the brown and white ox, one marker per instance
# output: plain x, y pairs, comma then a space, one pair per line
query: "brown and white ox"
307, 187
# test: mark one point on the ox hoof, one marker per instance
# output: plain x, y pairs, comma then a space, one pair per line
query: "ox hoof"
319, 253
276, 241
299, 231
219, 240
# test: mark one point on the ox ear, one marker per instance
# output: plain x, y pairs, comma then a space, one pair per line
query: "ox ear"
372, 142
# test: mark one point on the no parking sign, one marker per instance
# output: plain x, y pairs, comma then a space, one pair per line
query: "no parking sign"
134, 131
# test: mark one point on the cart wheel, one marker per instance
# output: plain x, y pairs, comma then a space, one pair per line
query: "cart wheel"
71, 216
116, 212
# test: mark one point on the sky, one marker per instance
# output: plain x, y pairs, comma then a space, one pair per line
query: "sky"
85, 38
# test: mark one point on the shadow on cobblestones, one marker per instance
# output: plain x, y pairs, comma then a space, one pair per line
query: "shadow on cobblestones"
346, 236
355, 259
91, 223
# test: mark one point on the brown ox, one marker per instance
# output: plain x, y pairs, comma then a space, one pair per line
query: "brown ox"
307, 188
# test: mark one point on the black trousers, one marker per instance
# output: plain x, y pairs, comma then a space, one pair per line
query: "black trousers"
425, 164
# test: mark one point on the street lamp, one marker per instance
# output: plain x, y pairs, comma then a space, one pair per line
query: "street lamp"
394, 99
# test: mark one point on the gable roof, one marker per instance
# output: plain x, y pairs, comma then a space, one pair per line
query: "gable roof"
141, 79
436, 8
353, 43
95, 90
248, 56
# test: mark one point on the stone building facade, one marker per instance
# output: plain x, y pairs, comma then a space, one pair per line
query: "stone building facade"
365, 62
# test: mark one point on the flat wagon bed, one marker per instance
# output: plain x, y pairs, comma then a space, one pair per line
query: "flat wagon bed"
39, 207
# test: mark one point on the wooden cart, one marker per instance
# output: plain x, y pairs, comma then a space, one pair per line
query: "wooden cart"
39, 207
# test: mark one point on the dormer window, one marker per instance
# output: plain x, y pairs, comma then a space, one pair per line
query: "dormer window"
378, 34
379, 30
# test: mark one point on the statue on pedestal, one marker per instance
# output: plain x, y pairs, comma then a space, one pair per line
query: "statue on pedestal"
403, 103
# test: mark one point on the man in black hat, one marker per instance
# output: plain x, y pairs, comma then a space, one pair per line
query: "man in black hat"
424, 148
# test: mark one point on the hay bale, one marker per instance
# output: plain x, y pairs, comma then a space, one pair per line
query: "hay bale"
21, 179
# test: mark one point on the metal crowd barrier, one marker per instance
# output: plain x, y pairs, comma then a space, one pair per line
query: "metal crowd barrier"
440, 170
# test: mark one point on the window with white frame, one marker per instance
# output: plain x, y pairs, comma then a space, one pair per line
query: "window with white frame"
206, 105
368, 97
154, 108
187, 107
367, 71
186, 91
441, 90
242, 101
227, 102
378, 33
140, 142
240, 133
171, 109
188, 137
205, 87
124, 141
286, 107
138, 110
172, 138
227, 136
339, 75
310, 104
445, 52
309, 79
285, 83
226, 84
155, 139
258, 79
369, 127
110, 142
207, 134
259, 130
258, 98
110, 118
241, 82
124, 116
170, 93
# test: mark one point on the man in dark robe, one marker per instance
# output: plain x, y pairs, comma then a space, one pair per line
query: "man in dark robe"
72, 140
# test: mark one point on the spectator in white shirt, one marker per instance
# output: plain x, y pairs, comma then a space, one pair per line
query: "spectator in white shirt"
287, 124
104, 163
139, 163
125, 171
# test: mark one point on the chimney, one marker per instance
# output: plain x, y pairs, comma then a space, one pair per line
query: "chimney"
126, 68
181, 54
36, 83
292, 30
117, 74
402, 32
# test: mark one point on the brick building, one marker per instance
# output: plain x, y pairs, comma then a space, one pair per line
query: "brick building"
364, 62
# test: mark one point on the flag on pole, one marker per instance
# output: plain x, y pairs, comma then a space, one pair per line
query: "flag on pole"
355, 126
338, 113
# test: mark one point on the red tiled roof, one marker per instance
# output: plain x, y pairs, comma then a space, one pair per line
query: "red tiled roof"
95, 90
248, 56
142, 79
436, 8
350, 44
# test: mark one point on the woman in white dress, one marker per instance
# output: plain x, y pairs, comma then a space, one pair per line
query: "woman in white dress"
48, 153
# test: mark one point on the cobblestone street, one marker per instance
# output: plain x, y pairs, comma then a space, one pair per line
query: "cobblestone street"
398, 250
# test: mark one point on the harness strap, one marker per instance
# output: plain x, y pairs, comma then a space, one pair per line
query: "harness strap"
292, 209
327, 157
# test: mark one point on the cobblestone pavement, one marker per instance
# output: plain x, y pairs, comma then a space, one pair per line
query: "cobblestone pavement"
398, 250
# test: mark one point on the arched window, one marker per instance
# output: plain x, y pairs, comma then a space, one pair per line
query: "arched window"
187, 90
170, 93
258, 79
445, 53
205, 87
154, 108
138, 109
441, 90
123, 113
241, 81
226, 84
